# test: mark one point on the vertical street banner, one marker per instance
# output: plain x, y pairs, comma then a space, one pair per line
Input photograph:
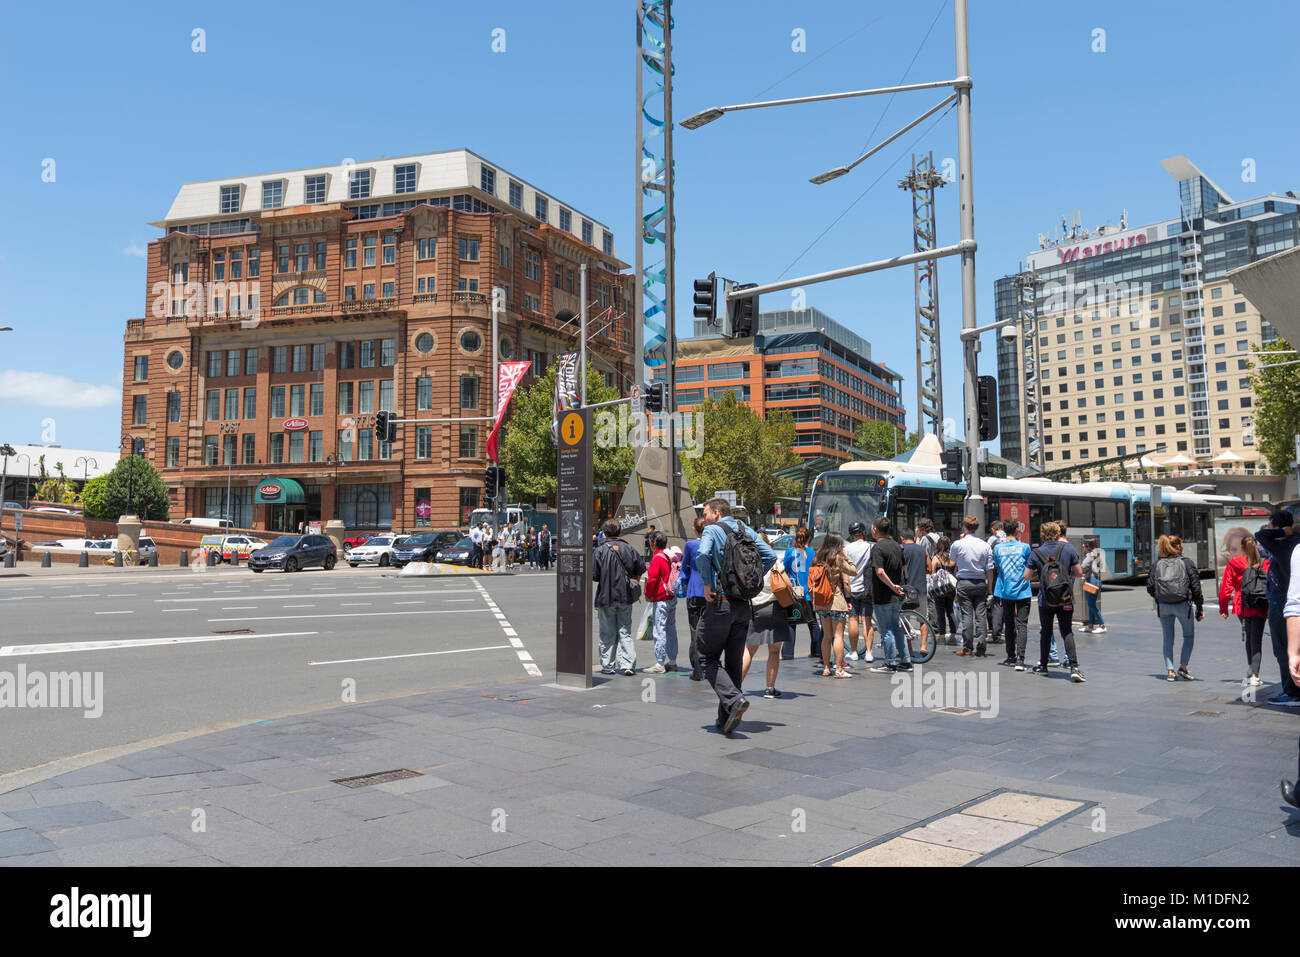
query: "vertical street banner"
567, 393
573, 610
509, 375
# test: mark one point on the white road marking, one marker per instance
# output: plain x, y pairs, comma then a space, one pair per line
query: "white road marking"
127, 595
114, 613
524, 657
350, 604
236, 607
418, 654
351, 614
21, 597
61, 647
350, 594
299, 606
168, 611
417, 602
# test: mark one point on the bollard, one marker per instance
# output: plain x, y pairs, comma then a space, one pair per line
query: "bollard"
83, 561
185, 558
212, 559
117, 559
45, 559
153, 559
9, 560
234, 557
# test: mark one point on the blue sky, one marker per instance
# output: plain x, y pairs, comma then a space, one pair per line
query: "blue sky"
128, 112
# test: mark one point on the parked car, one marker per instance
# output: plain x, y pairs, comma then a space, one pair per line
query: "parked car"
378, 550
241, 545
293, 553
355, 540
148, 549
457, 554
782, 542
423, 546
209, 522
17, 505
55, 509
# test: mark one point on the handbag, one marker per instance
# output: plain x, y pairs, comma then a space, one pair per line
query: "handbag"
782, 591
1091, 587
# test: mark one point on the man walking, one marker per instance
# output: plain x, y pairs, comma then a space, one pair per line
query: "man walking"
1276, 542
615, 566
887, 596
1291, 615
694, 598
724, 622
1057, 565
476, 537
544, 548
859, 551
1011, 559
974, 560
997, 534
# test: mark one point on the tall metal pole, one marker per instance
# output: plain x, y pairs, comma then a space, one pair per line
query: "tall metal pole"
638, 291
670, 299
497, 295
974, 504
582, 311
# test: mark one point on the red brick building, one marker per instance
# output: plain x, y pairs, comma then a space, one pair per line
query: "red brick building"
284, 310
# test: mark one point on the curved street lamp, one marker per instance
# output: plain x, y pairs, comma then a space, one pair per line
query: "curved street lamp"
27, 480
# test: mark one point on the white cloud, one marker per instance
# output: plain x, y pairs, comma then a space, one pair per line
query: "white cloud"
42, 388
135, 249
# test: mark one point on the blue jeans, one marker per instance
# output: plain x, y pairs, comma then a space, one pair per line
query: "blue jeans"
616, 647
891, 633
1092, 602
1181, 612
1277, 632
665, 631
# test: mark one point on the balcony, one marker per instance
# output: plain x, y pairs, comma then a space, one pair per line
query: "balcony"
1190, 268
1200, 413
1192, 302
345, 308
1191, 249
1201, 433
1193, 285
1195, 340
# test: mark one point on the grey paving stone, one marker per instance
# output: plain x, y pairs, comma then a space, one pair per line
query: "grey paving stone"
687, 804
22, 841
61, 816
140, 851
530, 854
435, 829
163, 765
629, 850
1017, 856
95, 774
108, 832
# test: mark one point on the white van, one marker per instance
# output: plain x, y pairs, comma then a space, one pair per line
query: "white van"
209, 522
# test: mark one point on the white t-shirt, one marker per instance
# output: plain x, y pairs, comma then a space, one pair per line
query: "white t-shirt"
475, 536
859, 553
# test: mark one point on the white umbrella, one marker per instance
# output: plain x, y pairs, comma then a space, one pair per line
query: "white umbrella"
1227, 456
1182, 458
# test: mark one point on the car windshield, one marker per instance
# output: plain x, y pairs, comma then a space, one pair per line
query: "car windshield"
380, 541
465, 543
284, 541
419, 540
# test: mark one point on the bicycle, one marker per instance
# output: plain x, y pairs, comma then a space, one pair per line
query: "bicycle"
127, 558
911, 623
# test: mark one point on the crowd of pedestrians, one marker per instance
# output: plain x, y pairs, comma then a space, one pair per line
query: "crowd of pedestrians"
505, 548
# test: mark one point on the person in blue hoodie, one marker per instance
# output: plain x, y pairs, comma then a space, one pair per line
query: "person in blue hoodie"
692, 589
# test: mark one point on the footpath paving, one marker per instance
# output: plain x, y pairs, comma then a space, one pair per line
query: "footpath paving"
1124, 770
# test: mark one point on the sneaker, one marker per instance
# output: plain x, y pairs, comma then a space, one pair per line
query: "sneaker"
671, 666
771, 693
881, 669
1288, 702
697, 676
905, 666
1007, 662
1254, 681
851, 656
1055, 661
1077, 676
867, 658
607, 671
1099, 630
952, 639
1020, 666
1040, 669
963, 653
1171, 677
656, 670
1185, 674
629, 673
733, 719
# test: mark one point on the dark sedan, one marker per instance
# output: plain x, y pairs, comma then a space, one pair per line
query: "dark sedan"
423, 547
457, 554
294, 552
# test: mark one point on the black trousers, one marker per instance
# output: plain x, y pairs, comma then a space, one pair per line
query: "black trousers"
1015, 623
694, 609
995, 618
720, 637
972, 596
1064, 617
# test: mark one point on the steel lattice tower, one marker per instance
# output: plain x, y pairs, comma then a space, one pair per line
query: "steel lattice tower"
921, 181
1027, 285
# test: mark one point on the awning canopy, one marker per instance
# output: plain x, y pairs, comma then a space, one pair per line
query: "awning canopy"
1227, 456
279, 491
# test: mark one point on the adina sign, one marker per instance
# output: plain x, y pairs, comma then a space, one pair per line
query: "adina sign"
270, 489
295, 425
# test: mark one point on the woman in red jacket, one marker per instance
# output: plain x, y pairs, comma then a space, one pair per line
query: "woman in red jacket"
661, 578
1252, 614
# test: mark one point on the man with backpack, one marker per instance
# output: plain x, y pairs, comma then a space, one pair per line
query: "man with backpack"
1057, 564
732, 562
616, 568
1011, 559
1276, 542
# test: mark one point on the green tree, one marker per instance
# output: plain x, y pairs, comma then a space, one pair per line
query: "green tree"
135, 478
529, 456
92, 498
740, 451
884, 440
1277, 400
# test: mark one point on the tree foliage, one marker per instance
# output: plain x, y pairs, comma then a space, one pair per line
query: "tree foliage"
92, 498
740, 452
529, 456
884, 440
133, 479
1277, 416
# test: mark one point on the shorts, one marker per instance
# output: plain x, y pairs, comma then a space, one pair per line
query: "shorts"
861, 605
833, 615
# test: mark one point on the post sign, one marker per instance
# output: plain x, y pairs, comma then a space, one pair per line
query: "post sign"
295, 425
573, 550
313, 528
18, 521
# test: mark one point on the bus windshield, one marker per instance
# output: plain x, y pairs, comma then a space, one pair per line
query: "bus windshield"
841, 498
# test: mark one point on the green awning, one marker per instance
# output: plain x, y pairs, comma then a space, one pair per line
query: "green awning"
279, 491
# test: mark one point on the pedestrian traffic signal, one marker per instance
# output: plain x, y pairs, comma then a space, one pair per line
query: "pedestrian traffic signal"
741, 313
706, 299
988, 408
654, 397
493, 479
386, 426
953, 462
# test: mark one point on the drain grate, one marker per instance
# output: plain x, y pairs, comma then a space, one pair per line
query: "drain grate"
235, 631
379, 777
504, 697
1206, 714
962, 711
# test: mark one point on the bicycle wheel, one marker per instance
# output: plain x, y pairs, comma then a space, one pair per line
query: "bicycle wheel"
911, 622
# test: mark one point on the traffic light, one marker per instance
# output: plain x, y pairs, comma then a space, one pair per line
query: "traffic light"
386, 426
741, 313
988, 408
654, 397
491, 482
706, 299
953, 461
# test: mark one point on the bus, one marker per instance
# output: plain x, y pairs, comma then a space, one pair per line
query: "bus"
1118, 514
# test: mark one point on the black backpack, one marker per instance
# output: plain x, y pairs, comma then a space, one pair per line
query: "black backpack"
1254, 588
1054, 585
742, 566
1171, 581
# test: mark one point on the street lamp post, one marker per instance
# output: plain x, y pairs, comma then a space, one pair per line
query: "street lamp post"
333, 459
6, 450
27, 480
86, 462
130, 474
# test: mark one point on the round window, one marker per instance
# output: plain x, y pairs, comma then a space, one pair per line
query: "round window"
424, 342
175, 360
470, 341
506, 348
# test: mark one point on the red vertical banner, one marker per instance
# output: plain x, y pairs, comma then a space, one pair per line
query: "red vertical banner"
509, 375
1015, 508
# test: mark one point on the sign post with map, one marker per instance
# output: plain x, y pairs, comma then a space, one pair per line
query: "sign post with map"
573, 550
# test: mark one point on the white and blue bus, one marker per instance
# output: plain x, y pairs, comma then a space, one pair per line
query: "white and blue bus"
1118, 514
